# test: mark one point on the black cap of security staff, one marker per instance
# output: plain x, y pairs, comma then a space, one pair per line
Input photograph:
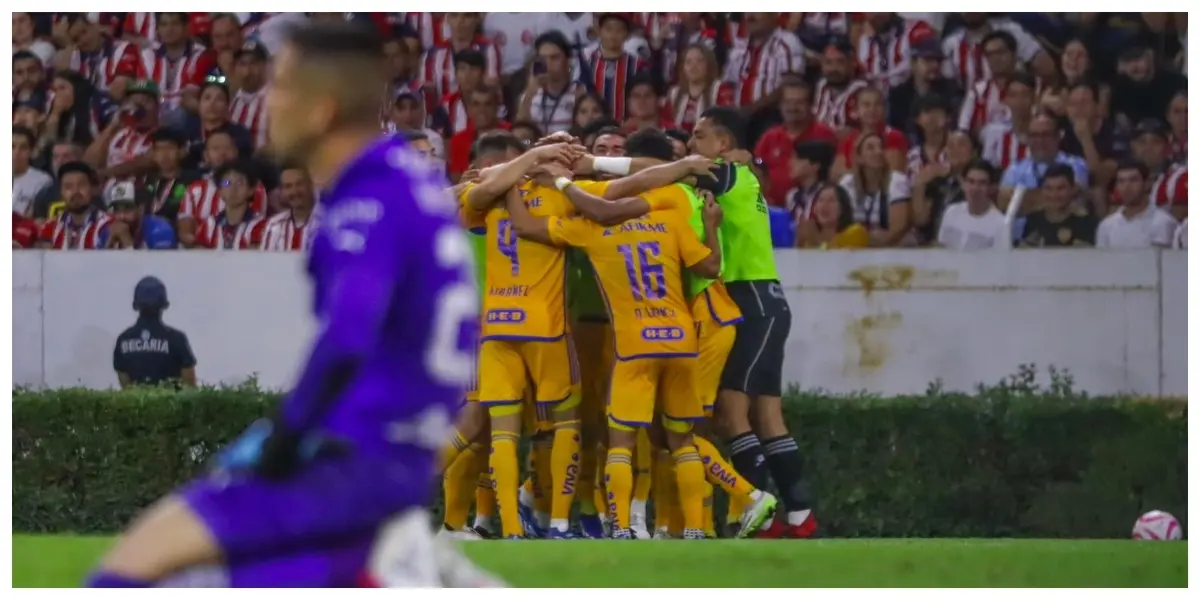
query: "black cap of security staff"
150, 294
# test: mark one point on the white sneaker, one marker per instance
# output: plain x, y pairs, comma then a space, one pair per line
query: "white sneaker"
662, 534
637, 523
463, 535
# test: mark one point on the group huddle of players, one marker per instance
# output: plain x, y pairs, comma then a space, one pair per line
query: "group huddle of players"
624, 299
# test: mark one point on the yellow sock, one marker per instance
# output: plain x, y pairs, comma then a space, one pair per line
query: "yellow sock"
564, 463
457, 482
450, 451
587, 479
618, 478
720, 472
689, 477
543, 448
485, 495
643, 462
710, 526
666, 498
505, 475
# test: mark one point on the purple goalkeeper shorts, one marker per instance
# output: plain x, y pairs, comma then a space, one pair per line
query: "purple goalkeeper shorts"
338, 566
330, 504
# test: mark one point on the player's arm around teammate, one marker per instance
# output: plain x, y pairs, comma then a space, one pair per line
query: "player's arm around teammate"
495, 181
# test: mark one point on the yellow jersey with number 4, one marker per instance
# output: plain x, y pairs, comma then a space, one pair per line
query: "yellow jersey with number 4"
639, 264
524, 297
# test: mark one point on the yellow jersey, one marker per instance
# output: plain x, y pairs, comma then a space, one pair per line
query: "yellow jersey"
524, 296
639, 265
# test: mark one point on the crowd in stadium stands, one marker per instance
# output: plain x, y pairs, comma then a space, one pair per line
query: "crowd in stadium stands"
147, 130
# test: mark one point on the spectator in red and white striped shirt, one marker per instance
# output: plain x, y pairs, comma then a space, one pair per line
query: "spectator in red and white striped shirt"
437, 71
469, 67
203, 197
122, 149
81, 221
699, 87
607, 67
966, 55
249, 106
432, 29
292, 229
1006, 143
1168, 187
834, 101
237, 226
757, 65
1177, 113
176, 63
109, 64
885, 50
983, 103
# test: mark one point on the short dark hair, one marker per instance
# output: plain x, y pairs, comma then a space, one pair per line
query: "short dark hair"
1005, 37
601, 126
678, 135
796, 83
26, 55
225, 129
553, 37
537, 131
472, 58
77, 166
243, 167
27, 133
929, 103
816, 152
645, 79
348, 59
650, 143
1087, 84
611, 129
1060, 170
1021, 78
169, 135
495, 141
1133, 164
978, 164
730, 120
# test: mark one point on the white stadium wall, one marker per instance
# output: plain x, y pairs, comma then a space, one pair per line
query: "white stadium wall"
880, 321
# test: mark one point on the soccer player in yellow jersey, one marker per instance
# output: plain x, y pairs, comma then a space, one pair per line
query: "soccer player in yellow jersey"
713, 310
638, 264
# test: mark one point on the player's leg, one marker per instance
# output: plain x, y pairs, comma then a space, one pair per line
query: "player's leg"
643, 484
471, 421
458, 487
485, 497
779, 447
715, 343
589, 346
226, 521
502, 390
632, 390
733, 402
681, 407
555, 372
666, 499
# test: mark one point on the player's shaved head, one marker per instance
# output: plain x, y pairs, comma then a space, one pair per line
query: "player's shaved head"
327, 77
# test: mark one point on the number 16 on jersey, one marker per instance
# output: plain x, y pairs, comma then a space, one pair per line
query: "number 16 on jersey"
644, 271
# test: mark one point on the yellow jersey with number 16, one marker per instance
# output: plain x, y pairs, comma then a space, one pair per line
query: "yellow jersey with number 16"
524, 297
639, 265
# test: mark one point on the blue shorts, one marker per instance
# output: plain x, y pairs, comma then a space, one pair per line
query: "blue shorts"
333, 503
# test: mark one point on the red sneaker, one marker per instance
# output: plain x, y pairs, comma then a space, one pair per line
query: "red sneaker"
803, 531
775, 531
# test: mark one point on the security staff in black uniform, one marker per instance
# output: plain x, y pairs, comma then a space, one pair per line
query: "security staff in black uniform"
151, 352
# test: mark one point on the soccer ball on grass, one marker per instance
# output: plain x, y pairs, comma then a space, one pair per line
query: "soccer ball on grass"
1158, 526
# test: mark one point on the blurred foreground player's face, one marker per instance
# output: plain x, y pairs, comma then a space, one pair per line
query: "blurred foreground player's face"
297, 115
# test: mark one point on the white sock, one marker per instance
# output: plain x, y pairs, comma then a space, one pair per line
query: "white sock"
798, 517
524, 497
560, 524
482, 522
637, 507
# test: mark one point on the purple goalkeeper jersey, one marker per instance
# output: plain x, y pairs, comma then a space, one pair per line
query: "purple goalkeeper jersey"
394, 291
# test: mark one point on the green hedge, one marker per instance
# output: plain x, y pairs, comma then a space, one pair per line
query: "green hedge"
1005, 462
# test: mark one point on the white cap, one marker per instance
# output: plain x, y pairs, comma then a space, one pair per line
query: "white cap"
122, 191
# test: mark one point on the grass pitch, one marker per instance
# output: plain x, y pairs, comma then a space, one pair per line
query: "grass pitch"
62, 561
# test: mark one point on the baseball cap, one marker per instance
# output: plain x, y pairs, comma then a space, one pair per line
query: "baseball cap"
143, 86
1150, 126
150, 293
927, 48
254, 48
403, 92
123, 192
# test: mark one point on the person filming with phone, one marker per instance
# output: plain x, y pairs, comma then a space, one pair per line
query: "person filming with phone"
549, 96
123, 148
